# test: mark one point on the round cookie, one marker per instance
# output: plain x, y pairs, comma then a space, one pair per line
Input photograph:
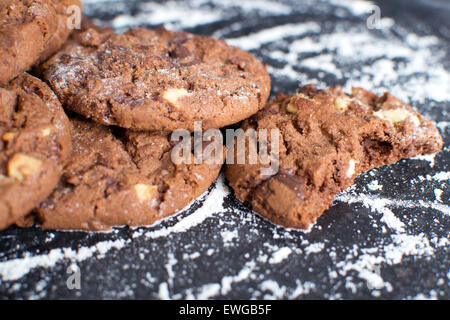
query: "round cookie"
121, 177
326, 138
30, 31
34, 144
157, 79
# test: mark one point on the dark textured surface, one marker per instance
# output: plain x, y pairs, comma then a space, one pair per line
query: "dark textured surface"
385, 237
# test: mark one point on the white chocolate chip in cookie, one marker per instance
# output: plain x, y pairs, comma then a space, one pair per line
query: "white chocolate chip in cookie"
21, 166
341, 104
173, 95
46, 131
292, 108
145, 192
8, 136
303, 96
351, 168
397, 115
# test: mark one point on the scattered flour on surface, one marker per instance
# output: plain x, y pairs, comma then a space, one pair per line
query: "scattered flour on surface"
228, 236
374, 186
314, 248
280, 255
412, 69
212, 203
17, 268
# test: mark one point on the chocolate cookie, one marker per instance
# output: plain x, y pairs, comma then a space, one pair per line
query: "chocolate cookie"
67, 12
326, 138
30, 31
34, 144
121, 177
157, 79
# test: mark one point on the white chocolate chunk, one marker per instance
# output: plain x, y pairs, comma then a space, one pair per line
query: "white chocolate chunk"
46, 131
351, 168
173, 95
303, 96
292, 108
341, 104
145, 192
397, 115
8, 136
21, 166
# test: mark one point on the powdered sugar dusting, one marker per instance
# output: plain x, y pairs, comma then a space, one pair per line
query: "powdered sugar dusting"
211, 204
256, 40
15, 269
280, 255
411, 70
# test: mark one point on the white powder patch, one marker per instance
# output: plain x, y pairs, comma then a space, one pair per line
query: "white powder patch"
302, 289
17, 268
314, 248
212, 203
367, 261
289, 72
430, 158
440, 176
374, 186
357, 7
171, 14
256, 40
323, 62
276, 292
365, 266
443, 125
438, 194
50, 237
432, 295
375, 204
163, 291
407, 245
208, 291
191, 256
262, 6
280, 255
228, 236
149, 280
172, 261
379, 58
243, 274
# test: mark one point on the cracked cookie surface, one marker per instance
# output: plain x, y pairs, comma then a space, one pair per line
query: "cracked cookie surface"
326, 139
30, 31
157, 79
34, 144
121, 177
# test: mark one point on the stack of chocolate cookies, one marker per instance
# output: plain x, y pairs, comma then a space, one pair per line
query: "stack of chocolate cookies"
85, 142
108, 161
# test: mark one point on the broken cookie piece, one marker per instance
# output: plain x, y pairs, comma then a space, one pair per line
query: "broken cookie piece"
326, 139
